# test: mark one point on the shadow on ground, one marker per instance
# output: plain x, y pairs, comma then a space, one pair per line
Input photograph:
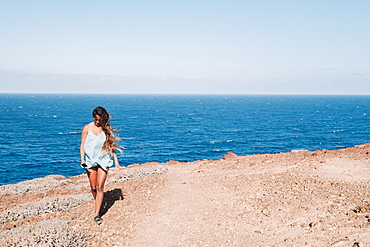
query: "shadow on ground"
110, 197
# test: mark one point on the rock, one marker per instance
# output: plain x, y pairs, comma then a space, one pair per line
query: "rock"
230, 156
9, 226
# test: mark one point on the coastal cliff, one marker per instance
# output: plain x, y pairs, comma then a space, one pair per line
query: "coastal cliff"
311, 198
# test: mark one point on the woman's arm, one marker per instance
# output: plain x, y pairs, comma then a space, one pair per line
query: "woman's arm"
116, 163
83, 139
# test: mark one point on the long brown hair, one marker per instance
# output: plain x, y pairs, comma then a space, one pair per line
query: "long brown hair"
109, 146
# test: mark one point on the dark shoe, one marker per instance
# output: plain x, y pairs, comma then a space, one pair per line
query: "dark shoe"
98, 220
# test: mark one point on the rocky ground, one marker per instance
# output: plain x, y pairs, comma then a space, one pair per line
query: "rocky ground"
301, 198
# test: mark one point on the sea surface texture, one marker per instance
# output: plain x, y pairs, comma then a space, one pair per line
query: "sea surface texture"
40, 134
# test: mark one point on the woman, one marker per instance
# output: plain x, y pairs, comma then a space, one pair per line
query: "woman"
98, 150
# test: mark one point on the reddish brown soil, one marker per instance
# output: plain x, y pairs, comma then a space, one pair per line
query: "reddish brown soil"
305, 198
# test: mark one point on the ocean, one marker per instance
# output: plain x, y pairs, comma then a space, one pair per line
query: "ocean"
40, 133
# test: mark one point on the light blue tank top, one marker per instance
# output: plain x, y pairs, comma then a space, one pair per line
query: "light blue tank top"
93, 150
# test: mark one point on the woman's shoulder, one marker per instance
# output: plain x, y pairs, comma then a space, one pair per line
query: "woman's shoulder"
87, 127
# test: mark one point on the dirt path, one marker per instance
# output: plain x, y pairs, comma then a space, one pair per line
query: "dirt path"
170, 223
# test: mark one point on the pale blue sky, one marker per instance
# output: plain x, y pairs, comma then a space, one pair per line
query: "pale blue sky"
244, 47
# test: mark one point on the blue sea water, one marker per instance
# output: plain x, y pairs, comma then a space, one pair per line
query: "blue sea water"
40, 133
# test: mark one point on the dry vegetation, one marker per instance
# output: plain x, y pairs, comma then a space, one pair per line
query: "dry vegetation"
45, 234
15, 231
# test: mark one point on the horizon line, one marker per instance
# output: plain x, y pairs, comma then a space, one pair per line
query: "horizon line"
157, 93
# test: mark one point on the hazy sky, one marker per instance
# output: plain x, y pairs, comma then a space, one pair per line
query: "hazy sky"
245, 47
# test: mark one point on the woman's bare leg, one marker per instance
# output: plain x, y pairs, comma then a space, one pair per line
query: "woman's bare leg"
92, 174
100, 181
